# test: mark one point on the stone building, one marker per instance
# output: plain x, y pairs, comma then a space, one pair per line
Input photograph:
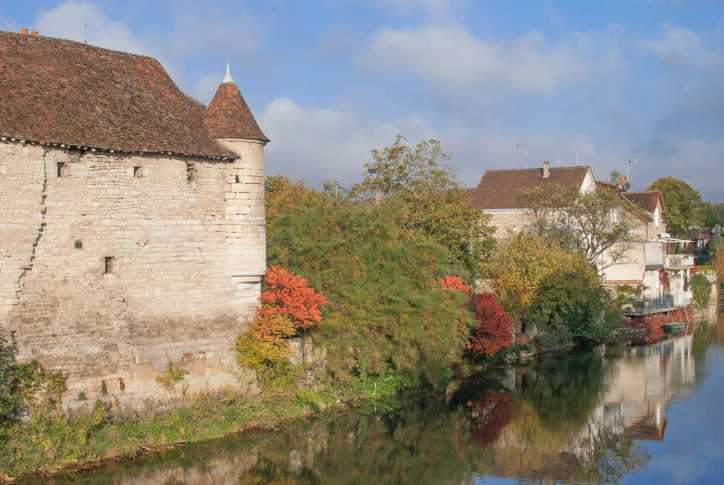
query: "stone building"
132, 227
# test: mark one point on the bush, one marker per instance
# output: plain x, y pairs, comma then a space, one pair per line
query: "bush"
701, 289
573, 304
384, 315
495, 328
454, 283
286, 294
263, 343
10, 399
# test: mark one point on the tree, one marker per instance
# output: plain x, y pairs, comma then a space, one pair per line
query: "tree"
495, 328
436, 206
615, 176
684, 207
596, 224
718, 208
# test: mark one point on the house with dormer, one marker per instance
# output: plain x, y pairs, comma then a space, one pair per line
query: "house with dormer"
132, 228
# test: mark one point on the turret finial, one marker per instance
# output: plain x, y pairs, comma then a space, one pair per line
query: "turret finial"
227, 78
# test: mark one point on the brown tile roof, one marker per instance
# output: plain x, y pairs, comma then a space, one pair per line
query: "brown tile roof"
228, 116
59, 91
499, 189
645, 200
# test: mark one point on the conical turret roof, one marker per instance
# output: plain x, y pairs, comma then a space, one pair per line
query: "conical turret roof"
228, 115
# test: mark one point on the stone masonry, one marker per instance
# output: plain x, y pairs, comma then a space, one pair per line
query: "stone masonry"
120, 254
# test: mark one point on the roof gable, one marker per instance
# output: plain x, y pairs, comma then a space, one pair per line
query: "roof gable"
647, 200
65, 92
228, 115
499, 189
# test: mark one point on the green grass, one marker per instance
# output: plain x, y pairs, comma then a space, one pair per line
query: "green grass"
53, 440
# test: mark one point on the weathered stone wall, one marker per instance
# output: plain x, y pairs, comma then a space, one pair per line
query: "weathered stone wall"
187, 243
511, 220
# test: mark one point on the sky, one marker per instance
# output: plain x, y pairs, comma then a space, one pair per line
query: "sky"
328, 81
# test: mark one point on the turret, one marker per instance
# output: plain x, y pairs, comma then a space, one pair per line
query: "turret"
231, 123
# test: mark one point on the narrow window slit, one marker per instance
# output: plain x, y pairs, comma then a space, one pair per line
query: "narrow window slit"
109, 265
62, 169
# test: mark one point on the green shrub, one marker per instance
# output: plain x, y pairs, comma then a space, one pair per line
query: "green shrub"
701, 290
572, 304
384, 315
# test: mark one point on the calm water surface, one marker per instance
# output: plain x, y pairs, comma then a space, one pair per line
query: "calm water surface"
616, 414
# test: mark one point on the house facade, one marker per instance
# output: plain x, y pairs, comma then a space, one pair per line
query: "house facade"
498, 192
132, 228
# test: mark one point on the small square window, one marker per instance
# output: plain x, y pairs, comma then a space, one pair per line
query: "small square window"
62, 169
137, 171
109, 265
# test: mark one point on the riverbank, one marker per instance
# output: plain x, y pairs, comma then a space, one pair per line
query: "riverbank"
52, 440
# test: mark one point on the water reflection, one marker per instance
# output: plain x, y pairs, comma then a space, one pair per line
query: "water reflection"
585, 417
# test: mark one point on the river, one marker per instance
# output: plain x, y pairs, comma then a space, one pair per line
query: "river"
614, 414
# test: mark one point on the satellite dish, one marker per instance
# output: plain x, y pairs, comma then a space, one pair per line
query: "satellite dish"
626, 186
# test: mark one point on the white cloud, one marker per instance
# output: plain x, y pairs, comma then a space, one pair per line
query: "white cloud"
67, 19
679, 46
312, 144
450, 58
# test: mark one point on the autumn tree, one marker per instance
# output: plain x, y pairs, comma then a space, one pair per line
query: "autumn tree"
596, 224
436, 208
684, 207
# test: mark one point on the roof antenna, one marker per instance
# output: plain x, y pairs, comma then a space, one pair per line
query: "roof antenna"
526, 152
578, 150
629, 162
85, 32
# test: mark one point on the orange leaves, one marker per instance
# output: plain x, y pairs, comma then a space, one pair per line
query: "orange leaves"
286, 294
453, 283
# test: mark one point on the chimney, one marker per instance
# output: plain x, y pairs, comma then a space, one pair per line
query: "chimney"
546, 170
34, 33
23, 31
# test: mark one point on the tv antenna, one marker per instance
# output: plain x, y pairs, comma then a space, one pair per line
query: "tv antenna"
629, 162
578, 150
85, 30
526, 152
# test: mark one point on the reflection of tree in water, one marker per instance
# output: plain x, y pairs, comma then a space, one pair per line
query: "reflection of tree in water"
490, 412
533, 424
565, 389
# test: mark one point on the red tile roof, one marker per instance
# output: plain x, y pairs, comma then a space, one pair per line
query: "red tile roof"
228, 115
59, 91
499, 189
646, 200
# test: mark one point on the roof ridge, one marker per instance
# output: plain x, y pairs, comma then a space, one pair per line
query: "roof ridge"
47, 38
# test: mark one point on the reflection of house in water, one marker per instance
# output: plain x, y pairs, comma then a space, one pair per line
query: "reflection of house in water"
637, 390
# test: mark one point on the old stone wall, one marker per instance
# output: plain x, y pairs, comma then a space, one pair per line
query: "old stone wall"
114, 264
511, 220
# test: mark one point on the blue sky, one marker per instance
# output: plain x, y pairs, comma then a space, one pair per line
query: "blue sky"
328, 81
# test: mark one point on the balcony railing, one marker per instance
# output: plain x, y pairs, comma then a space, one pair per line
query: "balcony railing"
680, 261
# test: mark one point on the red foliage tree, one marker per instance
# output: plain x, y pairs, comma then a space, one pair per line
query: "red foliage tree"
287, 294
495, 328
453, 283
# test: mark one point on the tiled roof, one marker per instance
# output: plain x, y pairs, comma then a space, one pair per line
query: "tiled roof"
59, 91
645, 200
228, 115
499, 189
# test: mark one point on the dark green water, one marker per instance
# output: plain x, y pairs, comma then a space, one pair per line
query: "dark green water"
615, 414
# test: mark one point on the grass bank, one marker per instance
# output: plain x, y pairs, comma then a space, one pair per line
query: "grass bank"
53, 440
